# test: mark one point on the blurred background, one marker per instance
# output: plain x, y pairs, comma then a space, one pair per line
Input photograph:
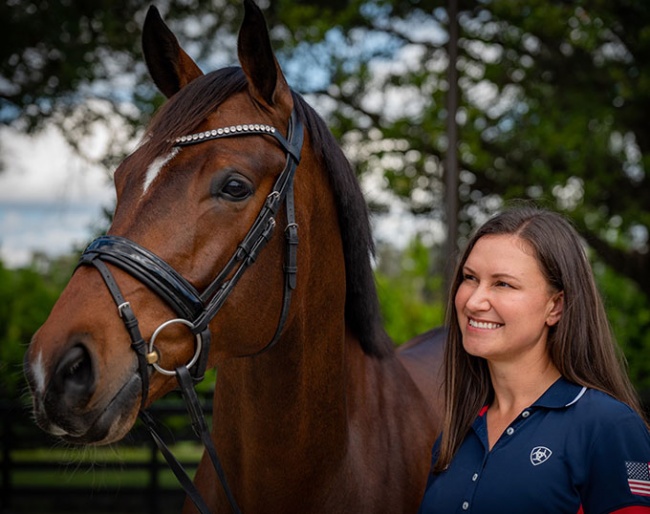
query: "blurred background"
448, 110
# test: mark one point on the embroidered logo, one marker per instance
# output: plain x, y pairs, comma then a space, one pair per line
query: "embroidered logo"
539, 455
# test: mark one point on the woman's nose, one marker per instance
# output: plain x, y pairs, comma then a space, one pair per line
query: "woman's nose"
478, 299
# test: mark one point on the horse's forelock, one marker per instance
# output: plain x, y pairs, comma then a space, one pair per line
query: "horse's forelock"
188, 108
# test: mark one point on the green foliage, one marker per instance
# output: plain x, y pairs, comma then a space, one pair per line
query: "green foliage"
553, 99
408, 291
628, 311
26, 298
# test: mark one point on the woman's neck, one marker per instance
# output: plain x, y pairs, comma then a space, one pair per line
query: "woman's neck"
518, 385
515, 389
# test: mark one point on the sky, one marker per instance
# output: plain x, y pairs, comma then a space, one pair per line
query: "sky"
50, 200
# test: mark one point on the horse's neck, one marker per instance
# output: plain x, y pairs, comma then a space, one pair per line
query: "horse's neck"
312, 414
286, 398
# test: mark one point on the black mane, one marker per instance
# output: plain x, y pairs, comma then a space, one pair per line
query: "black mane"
185, 110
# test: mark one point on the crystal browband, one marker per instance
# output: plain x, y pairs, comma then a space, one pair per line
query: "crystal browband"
233, 130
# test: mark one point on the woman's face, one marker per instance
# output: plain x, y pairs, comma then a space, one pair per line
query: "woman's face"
505, 305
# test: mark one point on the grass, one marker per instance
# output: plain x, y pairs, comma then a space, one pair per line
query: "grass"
98, 467
189, 451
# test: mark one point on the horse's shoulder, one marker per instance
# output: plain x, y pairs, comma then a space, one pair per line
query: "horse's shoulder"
428, 344
423, 358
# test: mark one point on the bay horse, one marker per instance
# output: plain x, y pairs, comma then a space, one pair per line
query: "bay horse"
314, 409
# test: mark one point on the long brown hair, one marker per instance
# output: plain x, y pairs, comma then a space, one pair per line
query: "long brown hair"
581, 344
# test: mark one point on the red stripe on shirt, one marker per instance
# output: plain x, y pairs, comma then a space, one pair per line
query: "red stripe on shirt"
635, 509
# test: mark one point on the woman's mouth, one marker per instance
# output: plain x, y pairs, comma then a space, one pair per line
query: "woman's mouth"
484, 325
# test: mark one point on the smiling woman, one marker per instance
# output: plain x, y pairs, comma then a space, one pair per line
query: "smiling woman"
540, 416
505, 306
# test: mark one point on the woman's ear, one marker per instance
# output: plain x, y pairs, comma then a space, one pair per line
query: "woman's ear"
557, 307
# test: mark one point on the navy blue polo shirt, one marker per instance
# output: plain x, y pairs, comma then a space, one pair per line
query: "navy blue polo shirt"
574, 450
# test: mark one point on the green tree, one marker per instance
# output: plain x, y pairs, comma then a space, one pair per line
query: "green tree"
77, 65
553, 98
629, 313
26, 298
405, 284
553, 93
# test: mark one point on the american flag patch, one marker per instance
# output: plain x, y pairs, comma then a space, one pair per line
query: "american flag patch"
638, 477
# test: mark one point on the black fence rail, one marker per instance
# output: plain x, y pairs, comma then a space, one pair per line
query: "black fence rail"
41, 475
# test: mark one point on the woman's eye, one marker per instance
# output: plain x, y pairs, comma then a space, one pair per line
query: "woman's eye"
236, 189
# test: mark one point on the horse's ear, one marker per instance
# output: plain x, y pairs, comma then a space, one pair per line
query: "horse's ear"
170, 67
266, 81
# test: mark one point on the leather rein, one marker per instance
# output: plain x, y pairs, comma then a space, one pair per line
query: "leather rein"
196, 310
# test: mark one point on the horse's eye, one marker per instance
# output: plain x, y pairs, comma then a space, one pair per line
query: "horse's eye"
235, 189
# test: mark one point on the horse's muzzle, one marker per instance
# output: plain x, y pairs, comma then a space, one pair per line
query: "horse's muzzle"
66, 407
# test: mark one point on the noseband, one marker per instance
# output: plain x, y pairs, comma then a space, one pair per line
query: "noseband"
197, 309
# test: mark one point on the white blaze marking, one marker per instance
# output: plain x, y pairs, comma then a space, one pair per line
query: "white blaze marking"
38, 373
158, 164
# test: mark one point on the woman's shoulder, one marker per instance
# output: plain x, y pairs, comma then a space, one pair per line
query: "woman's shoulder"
600, 430
601, 410
599, 402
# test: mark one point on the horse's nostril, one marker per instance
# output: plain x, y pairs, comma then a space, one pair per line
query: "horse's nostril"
74, 376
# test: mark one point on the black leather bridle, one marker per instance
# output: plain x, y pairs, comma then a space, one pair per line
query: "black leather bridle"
196, 310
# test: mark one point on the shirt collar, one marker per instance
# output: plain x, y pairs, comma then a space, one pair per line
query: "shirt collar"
561, 394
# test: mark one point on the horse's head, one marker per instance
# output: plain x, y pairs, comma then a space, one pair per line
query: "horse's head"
196, 204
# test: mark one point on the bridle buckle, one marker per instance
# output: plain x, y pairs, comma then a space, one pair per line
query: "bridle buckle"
122, 307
